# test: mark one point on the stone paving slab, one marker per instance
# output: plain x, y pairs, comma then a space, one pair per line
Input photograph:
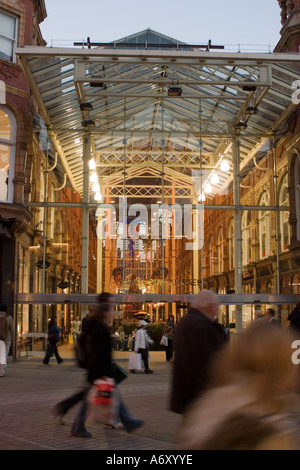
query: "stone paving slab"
30, 390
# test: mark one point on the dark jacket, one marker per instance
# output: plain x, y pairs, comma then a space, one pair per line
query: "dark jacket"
294, 319
98, 348
197, 339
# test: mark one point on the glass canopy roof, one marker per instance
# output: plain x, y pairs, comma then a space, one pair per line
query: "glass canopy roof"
156, 108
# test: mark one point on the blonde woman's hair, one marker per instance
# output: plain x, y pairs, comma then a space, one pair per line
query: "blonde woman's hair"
262, 354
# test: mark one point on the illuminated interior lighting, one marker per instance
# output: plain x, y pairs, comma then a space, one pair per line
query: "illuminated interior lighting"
208, 188
96, 188
93, 177
92, 164
214, 178
225, 165
98, 197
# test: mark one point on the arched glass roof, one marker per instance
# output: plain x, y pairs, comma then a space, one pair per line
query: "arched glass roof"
148, 100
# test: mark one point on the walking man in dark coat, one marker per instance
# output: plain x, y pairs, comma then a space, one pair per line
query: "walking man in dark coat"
198, 337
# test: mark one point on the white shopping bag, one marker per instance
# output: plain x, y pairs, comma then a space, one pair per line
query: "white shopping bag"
2, 353
135, 361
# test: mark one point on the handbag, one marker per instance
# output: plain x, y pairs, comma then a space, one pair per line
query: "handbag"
164, 340
119, 373
103, 402
135, 361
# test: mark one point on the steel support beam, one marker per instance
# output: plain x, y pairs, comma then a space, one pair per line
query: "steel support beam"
92, 299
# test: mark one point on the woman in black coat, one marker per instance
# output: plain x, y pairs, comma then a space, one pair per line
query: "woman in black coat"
99, 363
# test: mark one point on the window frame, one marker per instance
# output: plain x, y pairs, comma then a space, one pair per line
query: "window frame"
11, 144
14, 40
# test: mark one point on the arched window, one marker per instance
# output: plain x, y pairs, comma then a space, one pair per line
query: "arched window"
220, 263
7, 154
284, 216
246, 238
231, 245
264, 227
211, 255
297, 193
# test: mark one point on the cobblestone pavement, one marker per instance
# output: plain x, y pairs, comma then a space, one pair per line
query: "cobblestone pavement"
29, 390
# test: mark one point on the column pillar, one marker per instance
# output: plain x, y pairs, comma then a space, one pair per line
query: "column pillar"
85, 216
99, 250
195, 252
237, 230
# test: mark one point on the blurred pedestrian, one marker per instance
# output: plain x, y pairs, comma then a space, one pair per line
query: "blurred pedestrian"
198, 337
245, 407
294, 319
141, 344
99, 364
76, 328
62, 408
294, 331
169, 332
7, 336
270, 316
53, 338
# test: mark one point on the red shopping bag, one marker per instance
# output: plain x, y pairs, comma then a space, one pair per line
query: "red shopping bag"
103, 402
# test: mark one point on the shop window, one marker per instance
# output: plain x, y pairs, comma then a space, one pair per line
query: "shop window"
297, 194
7, 154
8, 36
264, 227
284, 216
211, 255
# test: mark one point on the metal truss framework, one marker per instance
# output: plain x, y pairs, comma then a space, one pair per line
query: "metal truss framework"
137, 121
153, 118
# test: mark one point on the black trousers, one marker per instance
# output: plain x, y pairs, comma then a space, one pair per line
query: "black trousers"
52, 349
169, 349
145, 357
65, 405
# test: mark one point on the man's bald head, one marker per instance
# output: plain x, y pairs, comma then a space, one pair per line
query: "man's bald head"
208, 302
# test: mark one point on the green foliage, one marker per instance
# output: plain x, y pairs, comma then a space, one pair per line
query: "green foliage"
129, 328
155, 331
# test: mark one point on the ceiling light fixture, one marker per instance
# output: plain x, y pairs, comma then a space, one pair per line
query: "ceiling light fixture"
214, 179
225, 165
86, 106
208, 188
241, 126
251, 110
98, 197
93, 177
174, 91
88, 123
92, 164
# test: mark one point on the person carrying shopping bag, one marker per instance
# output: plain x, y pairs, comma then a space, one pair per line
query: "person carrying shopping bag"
141, 344
169, 332
98, 350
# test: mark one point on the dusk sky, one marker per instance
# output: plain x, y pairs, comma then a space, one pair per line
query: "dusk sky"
230, 22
